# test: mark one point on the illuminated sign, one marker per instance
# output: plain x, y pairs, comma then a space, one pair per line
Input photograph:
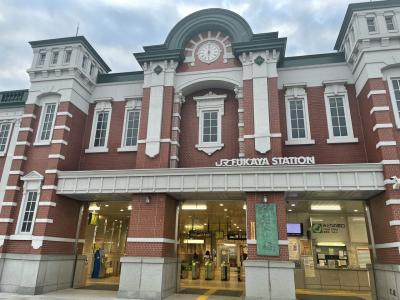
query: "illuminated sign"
264, 161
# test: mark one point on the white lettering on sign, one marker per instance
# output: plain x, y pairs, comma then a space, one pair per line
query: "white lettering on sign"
257, 162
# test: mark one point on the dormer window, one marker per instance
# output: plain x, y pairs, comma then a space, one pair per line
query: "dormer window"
67, 57
371, 24
42, 58
84, 62
54, 58
389, 23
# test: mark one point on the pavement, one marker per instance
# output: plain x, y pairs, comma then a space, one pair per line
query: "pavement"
80, 294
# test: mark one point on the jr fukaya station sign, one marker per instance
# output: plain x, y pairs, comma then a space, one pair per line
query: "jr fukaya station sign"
258, 162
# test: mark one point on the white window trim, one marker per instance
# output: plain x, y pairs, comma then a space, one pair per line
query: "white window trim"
102, 105
375, 22
391, 14
297, 93
42, 51
393, 100
338, 90
205, 103
39, 142
131, 104
64, 60
4, 152
32, 183
52, 56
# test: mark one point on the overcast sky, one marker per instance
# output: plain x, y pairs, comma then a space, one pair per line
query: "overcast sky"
117, 28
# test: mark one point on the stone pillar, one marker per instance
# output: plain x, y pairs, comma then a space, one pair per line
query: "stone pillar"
149, 269
268, 277
176, 129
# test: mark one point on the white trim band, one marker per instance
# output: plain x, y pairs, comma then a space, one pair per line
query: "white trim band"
6, 220
151, 240
16, 172
22, 143
64, 113
57, 156
13, 188
49, 187
9, 203
392, 201
49, 221
63, 127
23, 129
20, 157
394, 222
385, 144
59, 142
378, 108
376, 92
47, 203
29, 116
382, 126
390, 162
51, 171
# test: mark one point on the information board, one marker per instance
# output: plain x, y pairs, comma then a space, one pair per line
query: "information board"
267, 230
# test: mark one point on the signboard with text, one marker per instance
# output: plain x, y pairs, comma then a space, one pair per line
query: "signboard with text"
267, 230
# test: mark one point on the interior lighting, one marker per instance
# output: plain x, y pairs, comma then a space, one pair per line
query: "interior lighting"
356, 210
106, 205
293, 205
225, 209
187, 241
331, 244
194, 206
331, 207
290, 210
94, 207
121, 210
221, 204
130, 207
245, 206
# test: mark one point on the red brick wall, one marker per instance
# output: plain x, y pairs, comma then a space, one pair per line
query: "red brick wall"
326, 153
189, 156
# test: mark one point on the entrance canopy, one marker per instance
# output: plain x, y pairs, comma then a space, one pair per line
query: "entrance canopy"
366, 179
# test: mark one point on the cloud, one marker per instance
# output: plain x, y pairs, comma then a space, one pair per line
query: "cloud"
117, 28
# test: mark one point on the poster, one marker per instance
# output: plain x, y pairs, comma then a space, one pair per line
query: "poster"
294, 251
305, 247
309, 269
267, 230
363, 256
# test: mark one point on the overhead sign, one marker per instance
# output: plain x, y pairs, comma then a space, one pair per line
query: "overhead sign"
267, 230
264, 161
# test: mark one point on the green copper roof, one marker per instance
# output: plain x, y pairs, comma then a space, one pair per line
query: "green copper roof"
308, 60
72, 40
360, 7
13, 98
120, 77
212, 19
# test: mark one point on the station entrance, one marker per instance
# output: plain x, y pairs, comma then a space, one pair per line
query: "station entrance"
212, 247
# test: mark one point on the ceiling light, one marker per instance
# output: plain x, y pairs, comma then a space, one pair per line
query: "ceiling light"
234, 225
237, 227
293, 204
245, 206
106, 205
121, 209
225, 209
94, 207
356, 210
221, 204
193, 241
205, 224
290, 209
325, 207
130, 207
331, 244
316, 220
194, 206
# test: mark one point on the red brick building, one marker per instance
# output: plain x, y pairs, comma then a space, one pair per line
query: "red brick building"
219, 113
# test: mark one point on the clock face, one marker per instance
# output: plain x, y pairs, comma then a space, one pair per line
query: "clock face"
208, 52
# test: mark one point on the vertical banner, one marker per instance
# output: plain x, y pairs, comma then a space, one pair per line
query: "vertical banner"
267, 230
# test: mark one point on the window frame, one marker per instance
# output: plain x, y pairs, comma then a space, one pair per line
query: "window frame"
102, 105
210, 102
2, 122
393, 100
394, 22
53, 54
38, 140
131, 105
85, 59
297, 93
66, 51
338, 90
373, 17
39, 61
32, 183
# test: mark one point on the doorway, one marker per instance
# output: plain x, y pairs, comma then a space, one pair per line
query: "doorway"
105, 243
212, 247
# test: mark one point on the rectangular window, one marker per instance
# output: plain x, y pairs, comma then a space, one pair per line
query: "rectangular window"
5, 129
371, 24
54, 58
47, 121
91, 69
67, 57
101, 129
297, 121
29, 212
389, 23
338, 117
132, 128
42, 58
210, 126
396, 92
84, 62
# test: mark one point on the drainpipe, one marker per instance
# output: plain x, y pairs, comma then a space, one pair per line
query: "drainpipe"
75, 251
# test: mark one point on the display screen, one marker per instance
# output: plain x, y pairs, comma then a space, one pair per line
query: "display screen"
294, 229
